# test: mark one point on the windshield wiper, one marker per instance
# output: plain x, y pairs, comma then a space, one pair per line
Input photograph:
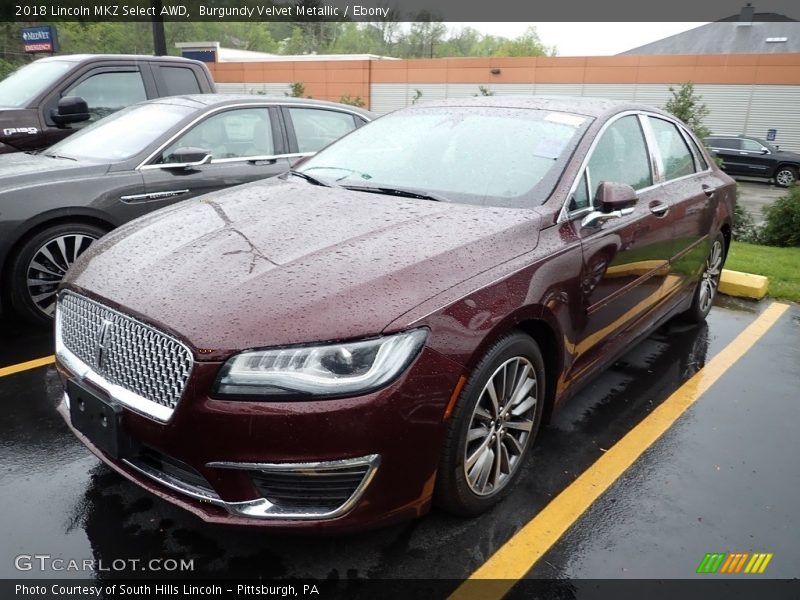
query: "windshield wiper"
395, 191
312, 179
60, 156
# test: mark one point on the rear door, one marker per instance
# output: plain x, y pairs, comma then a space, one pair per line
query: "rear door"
689, 188
245, 142
729, 151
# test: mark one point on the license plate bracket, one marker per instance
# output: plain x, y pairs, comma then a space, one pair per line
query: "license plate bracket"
100, 419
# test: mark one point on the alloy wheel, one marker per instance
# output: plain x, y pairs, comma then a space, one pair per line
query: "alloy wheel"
710, 279
49, 264
785, 177
501, 423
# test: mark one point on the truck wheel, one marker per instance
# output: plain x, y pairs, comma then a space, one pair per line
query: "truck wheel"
786, 176
41, 263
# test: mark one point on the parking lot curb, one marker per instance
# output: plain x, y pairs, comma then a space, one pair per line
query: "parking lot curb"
743, 285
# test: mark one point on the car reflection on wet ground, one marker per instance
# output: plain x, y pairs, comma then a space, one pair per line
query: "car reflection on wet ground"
724, 477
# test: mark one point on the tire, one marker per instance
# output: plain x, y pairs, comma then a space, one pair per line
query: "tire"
481, 458
706, 289
785, 176
45, 256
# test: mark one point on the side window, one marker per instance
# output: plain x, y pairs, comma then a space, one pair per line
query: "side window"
108, 92
236, 133
726, 143
701, 165
621, 156
751, 145
580, 199
316, 128
179, 80
675, 153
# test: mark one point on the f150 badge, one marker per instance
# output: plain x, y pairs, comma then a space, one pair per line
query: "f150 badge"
13, 130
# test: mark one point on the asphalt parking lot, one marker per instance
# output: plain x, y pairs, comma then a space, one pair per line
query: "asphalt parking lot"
755, 194
723, 478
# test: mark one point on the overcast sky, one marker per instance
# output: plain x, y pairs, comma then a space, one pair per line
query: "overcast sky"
586, 39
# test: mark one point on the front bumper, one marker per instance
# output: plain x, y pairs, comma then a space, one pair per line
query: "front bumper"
232, 456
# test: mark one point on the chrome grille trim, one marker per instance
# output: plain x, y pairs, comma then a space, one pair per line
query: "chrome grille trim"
262, 508
136, 364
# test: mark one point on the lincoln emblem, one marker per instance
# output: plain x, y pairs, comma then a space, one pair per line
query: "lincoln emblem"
105, 329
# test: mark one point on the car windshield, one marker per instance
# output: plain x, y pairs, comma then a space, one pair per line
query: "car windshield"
121, 135
491, 156
24, 84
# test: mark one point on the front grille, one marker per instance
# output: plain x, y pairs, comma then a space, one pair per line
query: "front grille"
124, 351
309, 490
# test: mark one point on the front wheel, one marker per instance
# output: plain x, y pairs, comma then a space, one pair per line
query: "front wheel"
41, 263
786, 176
707, 287
493, 427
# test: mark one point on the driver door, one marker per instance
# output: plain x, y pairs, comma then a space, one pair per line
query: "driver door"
245, 144
625, 259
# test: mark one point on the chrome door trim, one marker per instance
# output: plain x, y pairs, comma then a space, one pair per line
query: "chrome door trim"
153, 196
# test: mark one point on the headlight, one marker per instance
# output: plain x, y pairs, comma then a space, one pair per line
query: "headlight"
329, 370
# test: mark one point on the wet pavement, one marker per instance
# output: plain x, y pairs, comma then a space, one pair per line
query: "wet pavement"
724, 478
755, 194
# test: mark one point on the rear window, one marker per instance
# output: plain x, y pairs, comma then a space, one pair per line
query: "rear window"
731, 143
179, 80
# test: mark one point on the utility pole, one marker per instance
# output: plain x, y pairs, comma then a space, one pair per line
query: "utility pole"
159, 39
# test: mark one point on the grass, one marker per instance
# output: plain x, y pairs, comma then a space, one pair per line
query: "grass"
781, 265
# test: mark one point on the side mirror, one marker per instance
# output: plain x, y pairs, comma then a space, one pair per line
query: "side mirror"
614, 200
764, 150
187, 158
71, 109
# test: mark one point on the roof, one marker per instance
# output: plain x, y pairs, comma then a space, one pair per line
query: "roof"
222, 99
235, 55
131, 57
579, 105
729, 37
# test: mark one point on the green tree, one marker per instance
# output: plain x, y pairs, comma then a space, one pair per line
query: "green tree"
688, 107
527, 44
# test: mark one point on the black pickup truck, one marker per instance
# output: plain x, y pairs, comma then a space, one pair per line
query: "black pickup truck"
51, 98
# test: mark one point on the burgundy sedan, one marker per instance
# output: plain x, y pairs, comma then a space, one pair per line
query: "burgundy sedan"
388, 325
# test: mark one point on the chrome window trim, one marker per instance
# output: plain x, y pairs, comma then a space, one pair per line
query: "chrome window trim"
694, 148
144, 166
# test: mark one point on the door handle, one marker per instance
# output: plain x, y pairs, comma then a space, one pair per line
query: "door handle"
660, 209
708, 190
262, 161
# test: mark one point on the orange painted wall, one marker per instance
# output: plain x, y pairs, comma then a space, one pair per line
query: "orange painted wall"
330, 80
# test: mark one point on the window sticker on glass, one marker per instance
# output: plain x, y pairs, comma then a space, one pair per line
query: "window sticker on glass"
565, 119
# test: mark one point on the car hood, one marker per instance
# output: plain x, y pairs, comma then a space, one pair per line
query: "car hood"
277, 263
19, 169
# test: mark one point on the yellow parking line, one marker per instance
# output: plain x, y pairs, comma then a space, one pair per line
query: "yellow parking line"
519, 554
26, 366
